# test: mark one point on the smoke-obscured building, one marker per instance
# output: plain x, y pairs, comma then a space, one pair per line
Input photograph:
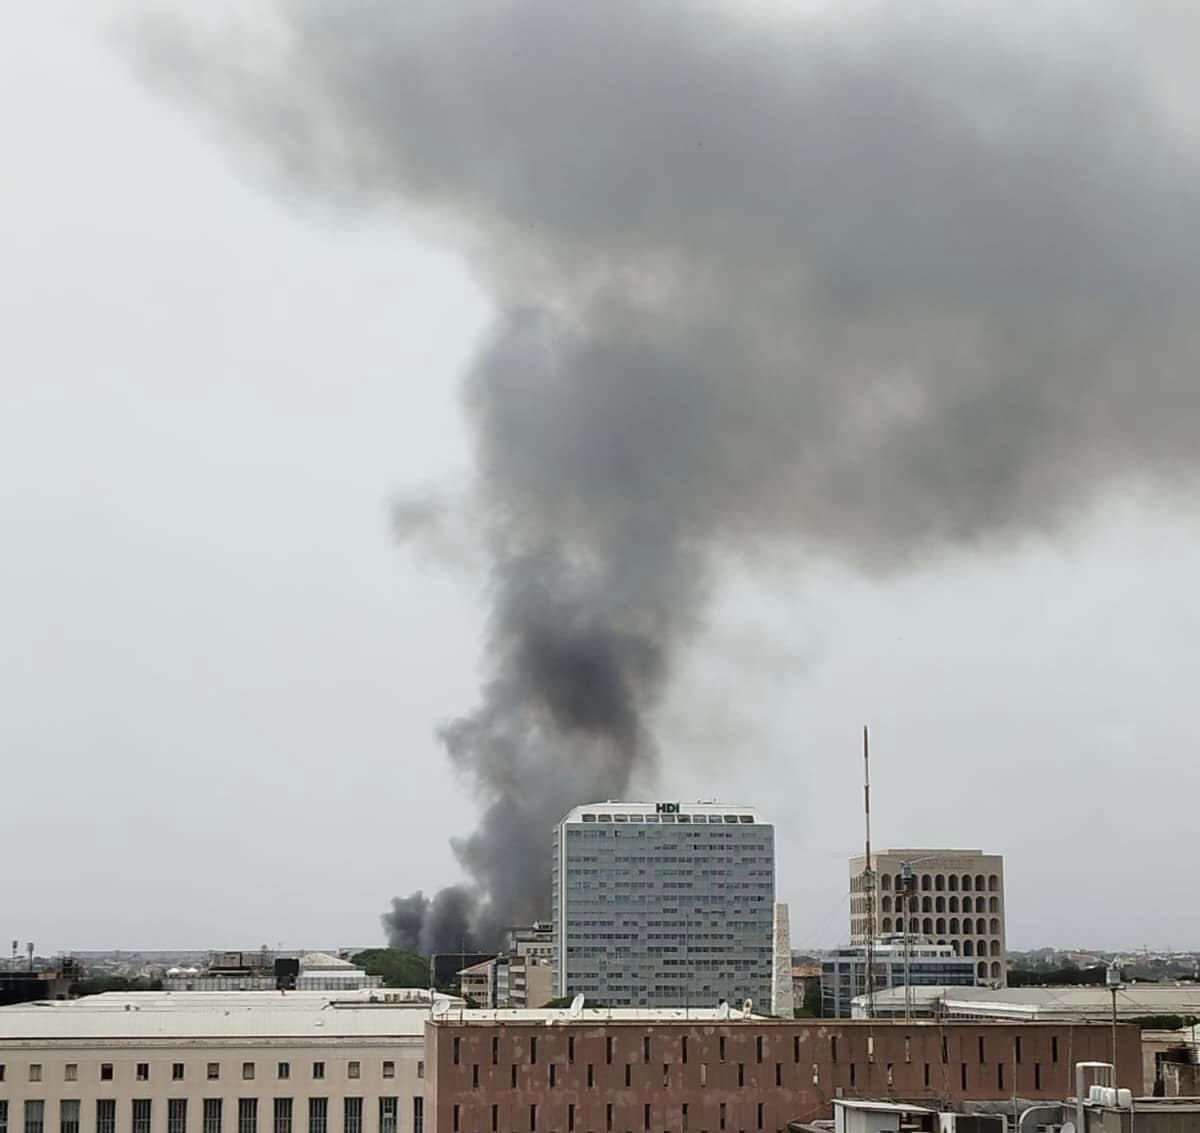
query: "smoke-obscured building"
664, 904
955, 897
521, 976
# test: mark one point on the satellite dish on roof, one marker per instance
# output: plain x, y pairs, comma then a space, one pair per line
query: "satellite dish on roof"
724, 1009
747, 1007
576, 1008
441, 1006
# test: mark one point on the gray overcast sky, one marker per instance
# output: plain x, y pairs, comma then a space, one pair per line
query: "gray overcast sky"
219, 675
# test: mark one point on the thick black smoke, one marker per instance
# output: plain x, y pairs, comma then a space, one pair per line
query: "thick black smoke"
883, 284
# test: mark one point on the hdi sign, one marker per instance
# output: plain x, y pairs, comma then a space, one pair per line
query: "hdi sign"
666, 808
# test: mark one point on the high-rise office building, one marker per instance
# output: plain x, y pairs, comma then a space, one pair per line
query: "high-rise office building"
953, 897
664, 904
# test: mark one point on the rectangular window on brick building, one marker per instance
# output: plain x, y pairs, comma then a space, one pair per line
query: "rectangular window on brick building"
852, 1074
796, 1049
591, 1076
1000, 1075
981, 1058
704, 1073
454, 1118
779, 1074
628, 1076
475, 1076
608, 1117
927, 1075
456, 1050
721, 1116
758, 1048
963, 1074
683, 1049
513, 1075
495, 1118
646, 1049
571, 1118
1017, 1049
833, 1048
608, 1050
684, 1117
945, 1049
721, 1047
553, 1074
646, 1116
816, 1075
1054, 1048
533, 1051
741, 1074
532, 1117
571, 1050
1037, 1075
495, 1050
666, 1076
760, 1115
907, 1049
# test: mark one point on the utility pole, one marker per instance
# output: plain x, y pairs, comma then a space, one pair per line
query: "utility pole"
1112, 977
909, 883
868, 877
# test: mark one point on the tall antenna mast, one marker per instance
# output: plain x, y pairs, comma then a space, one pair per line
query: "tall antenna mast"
868, 876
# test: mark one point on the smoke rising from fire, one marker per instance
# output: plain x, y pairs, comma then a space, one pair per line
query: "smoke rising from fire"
882, 282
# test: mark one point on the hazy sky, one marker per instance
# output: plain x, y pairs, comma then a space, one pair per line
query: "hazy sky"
220, 676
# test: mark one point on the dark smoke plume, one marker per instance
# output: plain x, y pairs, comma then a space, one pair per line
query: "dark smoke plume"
884, 282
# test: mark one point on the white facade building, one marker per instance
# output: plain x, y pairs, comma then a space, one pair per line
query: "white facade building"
664, 904
214, 1062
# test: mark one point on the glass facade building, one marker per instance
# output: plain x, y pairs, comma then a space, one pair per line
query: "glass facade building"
664, 905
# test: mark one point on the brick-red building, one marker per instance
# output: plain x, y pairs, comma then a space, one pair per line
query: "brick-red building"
595, 1075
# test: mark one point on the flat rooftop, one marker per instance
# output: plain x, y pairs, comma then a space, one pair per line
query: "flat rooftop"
257, 1015
1133, 1000
381, 1012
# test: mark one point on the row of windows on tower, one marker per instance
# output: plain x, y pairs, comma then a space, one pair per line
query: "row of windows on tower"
943, 927
940, 882
941, 904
